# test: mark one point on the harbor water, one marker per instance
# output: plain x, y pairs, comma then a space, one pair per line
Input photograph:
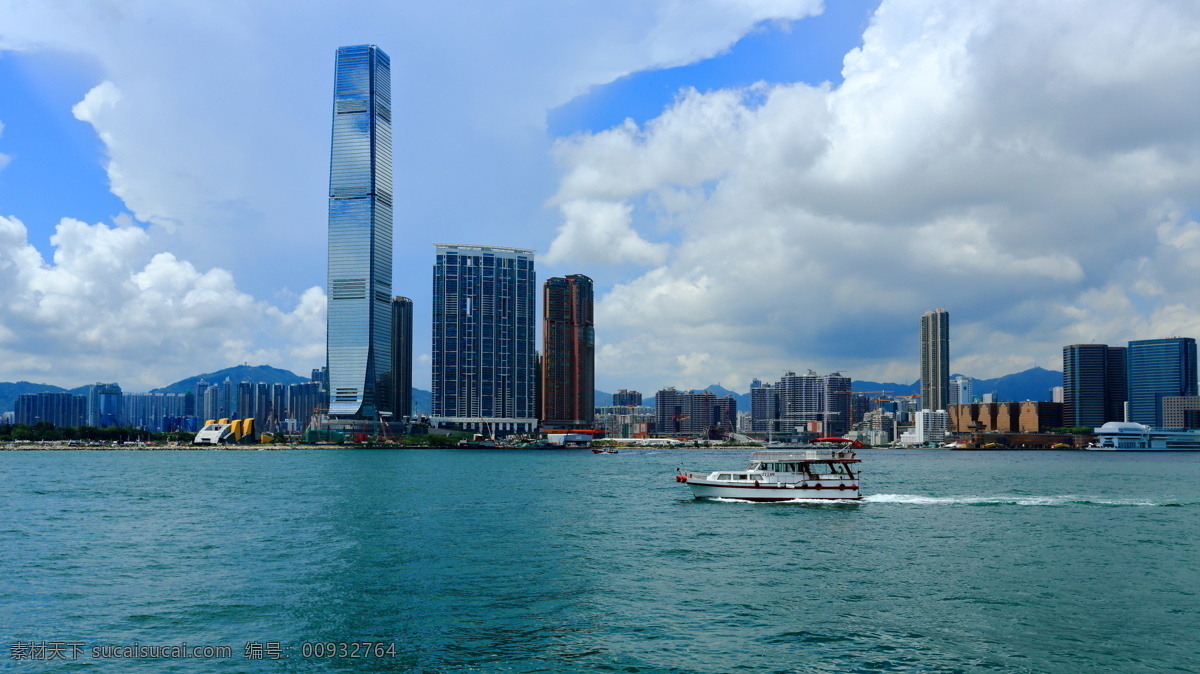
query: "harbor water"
511, 561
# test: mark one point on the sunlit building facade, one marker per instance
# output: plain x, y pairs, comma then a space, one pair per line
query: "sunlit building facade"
484, 338
358, 336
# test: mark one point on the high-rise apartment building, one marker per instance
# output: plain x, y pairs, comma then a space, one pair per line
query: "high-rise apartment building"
58, 409
1094, 388
401, 367
105, 405
795, 400
962, 390
568, 353
625, 398
358, 333
764, 407
1158, 368
693, 412
484, 334
935, 359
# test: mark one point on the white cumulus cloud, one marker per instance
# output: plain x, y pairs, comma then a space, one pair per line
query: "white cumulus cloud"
106, 306
1037, 174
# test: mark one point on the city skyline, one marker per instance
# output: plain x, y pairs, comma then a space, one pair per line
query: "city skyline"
153, 225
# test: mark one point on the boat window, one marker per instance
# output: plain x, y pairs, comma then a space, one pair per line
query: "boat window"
724, 476
741, 477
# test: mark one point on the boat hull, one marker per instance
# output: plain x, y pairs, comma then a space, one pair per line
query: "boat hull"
771, 492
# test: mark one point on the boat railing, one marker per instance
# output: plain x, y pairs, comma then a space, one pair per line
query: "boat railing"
804, 455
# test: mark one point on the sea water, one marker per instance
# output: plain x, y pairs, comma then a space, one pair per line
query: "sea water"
547, 561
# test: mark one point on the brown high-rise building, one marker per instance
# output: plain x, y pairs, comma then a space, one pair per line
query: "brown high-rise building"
568, 355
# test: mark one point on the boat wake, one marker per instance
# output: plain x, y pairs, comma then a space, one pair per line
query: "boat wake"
804, 501
1055, 500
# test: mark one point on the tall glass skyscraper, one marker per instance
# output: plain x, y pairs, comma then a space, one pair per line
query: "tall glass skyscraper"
1158, 368
484, 310
358, 333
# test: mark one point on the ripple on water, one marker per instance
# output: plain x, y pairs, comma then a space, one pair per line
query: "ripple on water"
945, 568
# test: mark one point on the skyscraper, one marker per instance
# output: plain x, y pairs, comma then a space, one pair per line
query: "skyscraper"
1158, 368
401, 369
358, 333
935, 359
484, 337
1093, 384
569, 353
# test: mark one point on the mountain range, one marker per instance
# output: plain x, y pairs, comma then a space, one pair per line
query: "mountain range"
1032, 384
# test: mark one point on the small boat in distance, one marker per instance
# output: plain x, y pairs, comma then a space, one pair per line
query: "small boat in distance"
814, 474
603, 451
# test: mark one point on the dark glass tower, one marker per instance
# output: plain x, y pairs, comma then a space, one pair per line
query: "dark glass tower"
401, 369
935, 359
484, 362
1093, 384
568, 354
358, 333
1157, 368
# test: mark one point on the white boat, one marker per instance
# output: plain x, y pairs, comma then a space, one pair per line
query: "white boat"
782, 476
1125, 436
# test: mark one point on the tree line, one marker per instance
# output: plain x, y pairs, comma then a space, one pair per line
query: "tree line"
46, 431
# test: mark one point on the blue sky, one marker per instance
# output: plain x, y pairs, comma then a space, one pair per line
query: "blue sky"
56, 164
754, 186
775, 52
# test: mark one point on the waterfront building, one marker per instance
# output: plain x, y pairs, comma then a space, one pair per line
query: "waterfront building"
1158, 368
1058, 395
401, 368
800, 400
105, 405
627, 398
693, 413
303, 401
929, 427
157, 412
568, 364
1011, 417
624, 421
358, 332
1094, 388
764, 407
484, 360
58, 409
962, 390
1181, 412
935, 359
